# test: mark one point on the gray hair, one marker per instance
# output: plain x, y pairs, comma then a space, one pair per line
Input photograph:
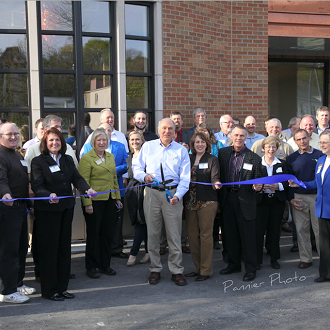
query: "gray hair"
293, 121
198, 110
48, 120
104, 110
222, 118
276, 120
323, 108
99, 131
239, 127
6, 123
169, 119
326, 132
308, 116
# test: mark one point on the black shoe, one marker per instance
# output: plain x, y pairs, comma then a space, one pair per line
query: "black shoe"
72, 276
200, 278
294, 248
92, 273
227, 271
275, 265
107, 271
191, 274
67, 295
56, 297
216, 246
121, 255
321, 279
249, 276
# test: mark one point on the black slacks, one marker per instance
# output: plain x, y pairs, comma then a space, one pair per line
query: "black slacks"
269, 217
324, 229
54, 249
13, 245
240, 235
100, 227
117, 238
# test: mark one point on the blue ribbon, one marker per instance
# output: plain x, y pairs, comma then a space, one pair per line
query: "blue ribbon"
265, 180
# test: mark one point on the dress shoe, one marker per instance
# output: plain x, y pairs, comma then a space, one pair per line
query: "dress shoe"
162, 251
216, 246
321, 279
191, 274
56, 297
249, 276
67, 295
275, 265
131, 261
154, 278
200, 278
303, 265
294, 248
121, 255
179, 279
72, 276
107, 271
185, 249
145, 259
227, 271
92, 273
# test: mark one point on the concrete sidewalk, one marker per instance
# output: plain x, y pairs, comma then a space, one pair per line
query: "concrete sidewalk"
284, 299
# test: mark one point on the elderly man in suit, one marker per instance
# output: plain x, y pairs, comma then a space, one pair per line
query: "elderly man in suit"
238, 163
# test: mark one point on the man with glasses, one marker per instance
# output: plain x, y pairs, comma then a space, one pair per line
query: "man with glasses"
14, 183
199, 116
226, 124
302, 165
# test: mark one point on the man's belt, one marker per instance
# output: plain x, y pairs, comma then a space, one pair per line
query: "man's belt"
162, 188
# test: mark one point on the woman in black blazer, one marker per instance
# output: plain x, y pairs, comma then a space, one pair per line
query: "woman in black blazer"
201, 203
270, 202
52, 174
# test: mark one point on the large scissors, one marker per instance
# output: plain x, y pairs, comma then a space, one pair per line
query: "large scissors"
164, 184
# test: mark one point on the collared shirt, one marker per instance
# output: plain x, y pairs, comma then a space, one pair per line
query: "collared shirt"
319, 130
270, 173
313, 142
310, 151
250, 140
174, 159
179, 136
54, 157
222, 137
235, 164
31, 142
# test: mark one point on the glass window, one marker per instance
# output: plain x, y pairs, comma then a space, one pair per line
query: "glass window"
56, 15
68, 118
59, 91
137, 56
136, 20
95, 16
137, 92
12, 51
13, 90
57, 52
97, 91
96, 53
19, 118
12, 15
295, 89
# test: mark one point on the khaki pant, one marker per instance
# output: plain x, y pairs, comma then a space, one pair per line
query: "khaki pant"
303, 220
158, 212
200, 235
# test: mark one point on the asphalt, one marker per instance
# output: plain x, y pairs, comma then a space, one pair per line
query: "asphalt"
277, 299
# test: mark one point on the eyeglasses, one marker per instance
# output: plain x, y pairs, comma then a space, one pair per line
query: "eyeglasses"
322, 143
270, 147
11, 134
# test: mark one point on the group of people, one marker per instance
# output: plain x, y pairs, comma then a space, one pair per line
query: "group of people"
181, 184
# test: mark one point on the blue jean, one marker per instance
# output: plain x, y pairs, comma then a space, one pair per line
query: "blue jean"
140, 235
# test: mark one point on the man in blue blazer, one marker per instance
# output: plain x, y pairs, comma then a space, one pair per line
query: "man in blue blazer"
120, 154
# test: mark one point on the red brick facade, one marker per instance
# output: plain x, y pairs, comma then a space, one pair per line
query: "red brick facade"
216, 57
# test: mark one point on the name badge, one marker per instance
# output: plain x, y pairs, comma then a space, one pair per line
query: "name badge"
247, 166
54, 168
98, 162
319, 169
23, 162
279, 170
202, 166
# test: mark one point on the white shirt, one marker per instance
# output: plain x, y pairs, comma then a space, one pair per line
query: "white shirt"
175, 161
270, 173
30, 143
325, 167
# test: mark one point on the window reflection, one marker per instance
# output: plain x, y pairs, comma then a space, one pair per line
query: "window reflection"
19, 118
57, 52
137, 92
136, 21
96, 53
59, 91
12, 51
95, 16
13, 90
97, 91
137, 56
56, 15
12, 15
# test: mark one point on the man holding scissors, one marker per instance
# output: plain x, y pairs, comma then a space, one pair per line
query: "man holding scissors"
167, 162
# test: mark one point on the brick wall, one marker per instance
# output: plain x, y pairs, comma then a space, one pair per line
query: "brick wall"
216, 57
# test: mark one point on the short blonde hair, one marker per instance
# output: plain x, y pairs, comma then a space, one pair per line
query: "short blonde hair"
269, 140
138, 133
96, 133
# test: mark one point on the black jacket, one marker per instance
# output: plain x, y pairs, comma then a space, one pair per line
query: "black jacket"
246, 195
44, 182
277, 169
